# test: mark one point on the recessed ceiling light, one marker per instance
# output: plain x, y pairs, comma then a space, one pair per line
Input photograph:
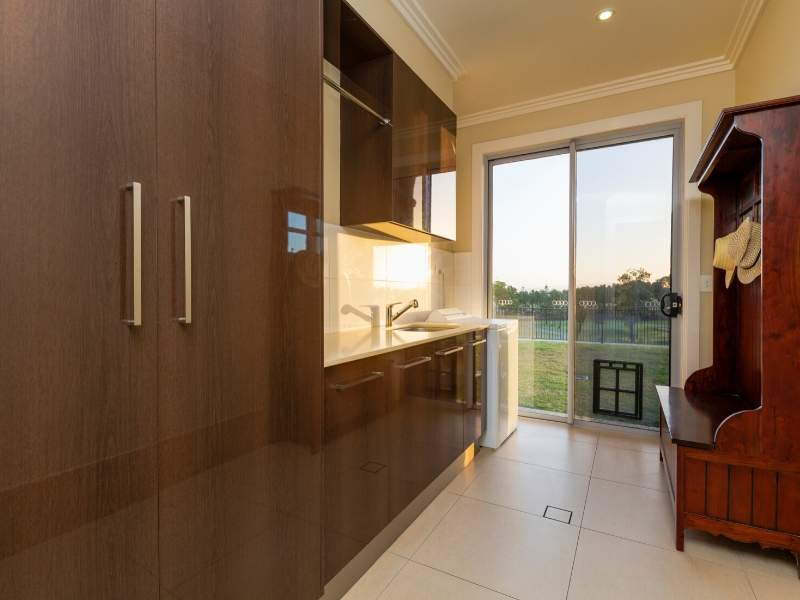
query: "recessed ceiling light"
605, 14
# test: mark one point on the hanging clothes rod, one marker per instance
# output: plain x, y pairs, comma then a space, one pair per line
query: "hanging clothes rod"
383, 120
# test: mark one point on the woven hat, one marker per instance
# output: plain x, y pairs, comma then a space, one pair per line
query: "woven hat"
729, 250
749, 267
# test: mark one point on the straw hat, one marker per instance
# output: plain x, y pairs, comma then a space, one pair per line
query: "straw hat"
749, 267
729, 250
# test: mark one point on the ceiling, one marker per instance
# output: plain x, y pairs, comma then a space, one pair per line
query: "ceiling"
509, 51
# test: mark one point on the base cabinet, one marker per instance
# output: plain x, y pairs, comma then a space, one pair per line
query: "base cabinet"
392, 424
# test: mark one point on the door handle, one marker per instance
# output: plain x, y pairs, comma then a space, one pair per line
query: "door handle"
478, 343
135, 188
449, 351
351, 384
186, 319
671, 304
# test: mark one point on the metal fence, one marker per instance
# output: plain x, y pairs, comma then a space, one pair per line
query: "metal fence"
599, 325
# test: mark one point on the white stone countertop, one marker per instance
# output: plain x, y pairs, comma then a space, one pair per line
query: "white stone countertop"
354, 344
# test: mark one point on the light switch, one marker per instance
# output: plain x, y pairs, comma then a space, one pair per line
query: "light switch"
706, 283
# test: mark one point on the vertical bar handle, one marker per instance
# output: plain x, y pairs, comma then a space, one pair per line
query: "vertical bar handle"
136, 193
186, 319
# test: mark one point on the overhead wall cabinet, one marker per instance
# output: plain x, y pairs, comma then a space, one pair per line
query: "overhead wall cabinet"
398, 139
161, 339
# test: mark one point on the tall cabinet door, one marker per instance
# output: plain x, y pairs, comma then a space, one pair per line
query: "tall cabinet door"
78, 508
240, 387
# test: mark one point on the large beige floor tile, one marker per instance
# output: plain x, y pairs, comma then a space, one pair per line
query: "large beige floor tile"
716, 549
628, 466
465, 477
769, 587
418, 582
530, 488
411, 539
610, 568
512, 552
549, 451
374, 581
541, 428
778, 563
631, 512
629, 439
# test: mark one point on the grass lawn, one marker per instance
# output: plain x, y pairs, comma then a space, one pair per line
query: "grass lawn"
543, 375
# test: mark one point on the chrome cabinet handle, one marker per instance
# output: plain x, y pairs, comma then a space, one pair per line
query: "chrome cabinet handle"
420, 361
136, 192
351, 384
449, 351
479, 343
186, 319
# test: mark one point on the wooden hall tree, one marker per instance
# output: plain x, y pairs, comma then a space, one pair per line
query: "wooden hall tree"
734, 460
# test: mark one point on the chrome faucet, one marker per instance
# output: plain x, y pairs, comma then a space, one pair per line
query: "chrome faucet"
390, 318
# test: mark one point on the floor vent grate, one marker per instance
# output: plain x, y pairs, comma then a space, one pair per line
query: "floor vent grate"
558, 514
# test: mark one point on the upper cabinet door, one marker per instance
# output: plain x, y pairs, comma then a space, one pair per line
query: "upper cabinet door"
423, 156
239, 117
78, 507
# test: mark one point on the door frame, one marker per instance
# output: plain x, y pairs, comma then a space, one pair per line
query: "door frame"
686, 211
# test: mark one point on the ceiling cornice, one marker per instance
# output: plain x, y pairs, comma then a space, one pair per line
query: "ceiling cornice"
743, 28
416, 18
418, 21
600, 90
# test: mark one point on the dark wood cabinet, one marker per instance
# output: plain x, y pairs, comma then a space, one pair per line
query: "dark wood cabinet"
168, 459
239, 130
396, 178
475, 388
78, 478
412, 394
393, 423
358, 457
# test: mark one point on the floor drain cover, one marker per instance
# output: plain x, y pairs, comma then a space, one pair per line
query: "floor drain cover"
372, 466
558, 514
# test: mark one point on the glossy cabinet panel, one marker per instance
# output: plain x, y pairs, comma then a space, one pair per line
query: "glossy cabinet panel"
423, 156
475, 388
412, 398
447, 425
358, 457
240, 388
393, 423
78, 508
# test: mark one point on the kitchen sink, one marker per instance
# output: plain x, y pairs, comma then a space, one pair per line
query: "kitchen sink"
426, 327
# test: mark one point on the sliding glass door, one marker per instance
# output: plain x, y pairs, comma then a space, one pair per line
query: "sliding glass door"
530, 260
580, 254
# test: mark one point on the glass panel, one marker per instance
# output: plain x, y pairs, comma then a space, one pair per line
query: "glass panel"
530, 271
622, 268
443, 204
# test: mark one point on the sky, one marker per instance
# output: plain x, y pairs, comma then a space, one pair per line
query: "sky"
623, 217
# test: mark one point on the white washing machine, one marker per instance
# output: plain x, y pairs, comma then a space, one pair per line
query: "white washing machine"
502, 386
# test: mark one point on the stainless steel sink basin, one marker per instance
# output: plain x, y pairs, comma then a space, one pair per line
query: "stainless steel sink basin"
426, 327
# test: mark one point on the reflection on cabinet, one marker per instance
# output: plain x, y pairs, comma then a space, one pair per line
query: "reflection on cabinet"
393, 424
398, 179
143, 456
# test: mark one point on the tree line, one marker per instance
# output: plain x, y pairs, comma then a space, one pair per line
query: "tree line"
634, 289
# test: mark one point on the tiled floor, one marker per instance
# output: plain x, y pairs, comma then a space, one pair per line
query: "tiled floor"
485, 536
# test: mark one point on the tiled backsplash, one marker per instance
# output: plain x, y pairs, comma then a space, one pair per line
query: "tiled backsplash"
363, 273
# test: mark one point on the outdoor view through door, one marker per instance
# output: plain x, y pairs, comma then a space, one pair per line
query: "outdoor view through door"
622, 228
